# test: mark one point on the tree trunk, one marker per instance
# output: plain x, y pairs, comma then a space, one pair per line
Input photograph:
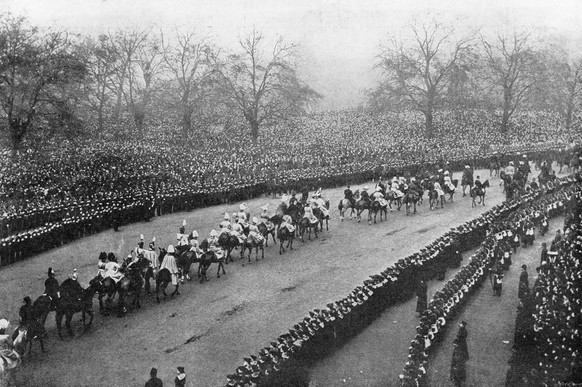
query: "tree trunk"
254, 130
428, 123
506, 110
186, 121
18, 129
139, 118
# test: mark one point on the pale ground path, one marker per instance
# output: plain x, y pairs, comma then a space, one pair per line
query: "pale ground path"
225, 319
490, 323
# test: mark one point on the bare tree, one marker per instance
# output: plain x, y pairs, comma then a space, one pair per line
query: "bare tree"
415, 73
263, 85
512, 65
35, 69
189, 61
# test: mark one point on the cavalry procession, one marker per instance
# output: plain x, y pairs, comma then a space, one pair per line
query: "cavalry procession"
186, 198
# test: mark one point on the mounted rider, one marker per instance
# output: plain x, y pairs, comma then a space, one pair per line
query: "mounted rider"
213, 244
510, 170
379, 197
364, 195
395, 187
448, 182
112, 269
293, 201
349, 195
194, 244
287, 223
243, 213
318, 202
182, 239
266, 219
437, 187
51, 288
169, 263
254, 232
237, 230
467, 179
309, 215
225, 226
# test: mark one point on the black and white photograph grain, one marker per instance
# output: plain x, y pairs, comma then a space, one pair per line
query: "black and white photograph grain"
290, 193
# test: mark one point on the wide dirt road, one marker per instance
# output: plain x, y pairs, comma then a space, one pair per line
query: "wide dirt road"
210, 327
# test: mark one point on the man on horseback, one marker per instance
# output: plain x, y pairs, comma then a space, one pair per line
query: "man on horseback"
437, 188
510, 170
364, 194
213, 244
169, 263
448, 182
309, 215
25, 311
112, 269
293, 199
51, 288
349, 195
287, 223
467, 179
237, 230
194, 245
318, 202
379, 197
265, 218
182, 238
395, 187
243, 214
225, 224
254, 232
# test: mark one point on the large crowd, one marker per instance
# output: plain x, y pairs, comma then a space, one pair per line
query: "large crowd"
75, 189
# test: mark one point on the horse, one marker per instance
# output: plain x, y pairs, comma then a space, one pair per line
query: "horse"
206, 259
25, 334
376, 207
74, 299
230, 242
9, 360
318, 212
284, 235
265, 232
163, 278
132, 282
306, 225
434, 199
343, 206
106, 287
393, 197
410, 197
449, 190
466, 181
493, 167
362, 205
250, 244
480, 193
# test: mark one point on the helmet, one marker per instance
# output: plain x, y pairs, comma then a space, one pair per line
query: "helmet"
255, 220
226, 216
171, 249
194, 234
213, 233
4, 323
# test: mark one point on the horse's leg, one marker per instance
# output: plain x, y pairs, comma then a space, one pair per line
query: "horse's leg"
59, 320
262, 252
68, 318
281, 247
415, 207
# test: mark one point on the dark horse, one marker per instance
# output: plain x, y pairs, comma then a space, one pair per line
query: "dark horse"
25, 334
477, 192
208, 258
284, 235
305, 225
362, 205
411, 197
74, 299
163, 278
376, 207
229, 243
393, 197
250, 244
318, 212
265, 232
450, 191
132, 282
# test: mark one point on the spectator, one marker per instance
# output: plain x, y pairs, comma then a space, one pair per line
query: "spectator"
154, 381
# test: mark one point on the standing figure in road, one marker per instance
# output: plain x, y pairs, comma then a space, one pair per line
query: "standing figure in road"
458, 370
462, 339
523, 290
421, 303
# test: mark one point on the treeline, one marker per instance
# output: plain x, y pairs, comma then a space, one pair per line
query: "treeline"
53, 82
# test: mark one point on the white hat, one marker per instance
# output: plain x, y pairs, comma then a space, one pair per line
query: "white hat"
446, 172
255, 220
194, 234
226, 216
171, 249
466, 166
213, 233
365, 188
184, 222
4, 323
242, 207
153, 239
141, 237
440, 170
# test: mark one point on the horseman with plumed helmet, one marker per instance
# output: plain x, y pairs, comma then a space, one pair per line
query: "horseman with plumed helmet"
254, 232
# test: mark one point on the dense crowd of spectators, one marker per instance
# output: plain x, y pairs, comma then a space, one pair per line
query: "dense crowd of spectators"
75, 189
548, 337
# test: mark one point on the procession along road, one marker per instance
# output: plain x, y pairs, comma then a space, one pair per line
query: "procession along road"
211, 327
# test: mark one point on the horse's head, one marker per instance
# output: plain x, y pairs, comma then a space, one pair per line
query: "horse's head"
223, 239
19, 338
